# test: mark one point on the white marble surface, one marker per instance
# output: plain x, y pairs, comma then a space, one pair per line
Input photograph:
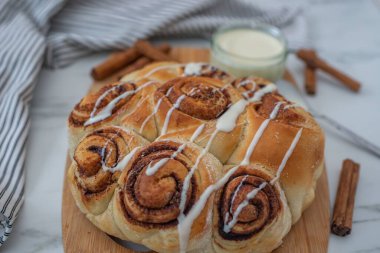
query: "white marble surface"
346, 32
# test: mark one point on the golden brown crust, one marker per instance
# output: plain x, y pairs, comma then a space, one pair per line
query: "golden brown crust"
92, 104
195, 100
298, 174
87, 114
138, 214
266, 212
203, 98
104, 148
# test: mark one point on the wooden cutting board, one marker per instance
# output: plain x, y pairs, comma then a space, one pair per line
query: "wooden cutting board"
309, 235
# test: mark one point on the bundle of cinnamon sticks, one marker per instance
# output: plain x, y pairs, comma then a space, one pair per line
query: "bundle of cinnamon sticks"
313, 62
131, 59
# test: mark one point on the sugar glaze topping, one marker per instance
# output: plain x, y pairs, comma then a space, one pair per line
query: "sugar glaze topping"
225, 123
107, 110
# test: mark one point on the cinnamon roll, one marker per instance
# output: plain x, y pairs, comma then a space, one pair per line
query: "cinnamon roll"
105, 107
98, 161
194, 99
274, 123
154, 193
250, 217
184, 102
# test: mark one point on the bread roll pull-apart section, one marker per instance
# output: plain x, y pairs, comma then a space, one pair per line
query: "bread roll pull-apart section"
187, 158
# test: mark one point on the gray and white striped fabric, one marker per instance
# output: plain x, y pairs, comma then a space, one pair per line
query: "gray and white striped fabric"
56, 32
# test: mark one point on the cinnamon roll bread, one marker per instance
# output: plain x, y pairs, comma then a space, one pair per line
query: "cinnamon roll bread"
105, 107
161, 184
248, 220
97, 163
185, 158
273, 142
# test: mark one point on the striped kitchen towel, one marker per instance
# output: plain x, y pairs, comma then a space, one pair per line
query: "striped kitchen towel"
56, 32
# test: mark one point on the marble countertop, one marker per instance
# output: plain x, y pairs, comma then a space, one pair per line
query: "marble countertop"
344, 32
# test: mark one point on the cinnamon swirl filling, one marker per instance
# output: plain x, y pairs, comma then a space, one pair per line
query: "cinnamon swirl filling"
248, 86
153, 201
93, 104
104, 148
203, 99
286, 113
256, 214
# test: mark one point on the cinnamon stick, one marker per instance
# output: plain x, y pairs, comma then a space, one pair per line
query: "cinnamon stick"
143, 61
119, 60
317, 62
148, 50
310, 75
345, 198
114, 63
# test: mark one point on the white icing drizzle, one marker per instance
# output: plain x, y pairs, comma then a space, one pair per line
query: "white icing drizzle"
237, 191
261, 92
227, 121
259, 133
193, 91
107, 110
189, 175
121, 165
151, 170
197, 132
155, 110
193, 69
101, 97
246, 82
227, 227
233, 198
288, 153
169, 113
104, 159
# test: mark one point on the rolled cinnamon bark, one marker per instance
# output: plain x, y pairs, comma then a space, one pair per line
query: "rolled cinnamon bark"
114, 63
143, 61
310, 78
121, 59
148, 50
348, 81
345, 198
